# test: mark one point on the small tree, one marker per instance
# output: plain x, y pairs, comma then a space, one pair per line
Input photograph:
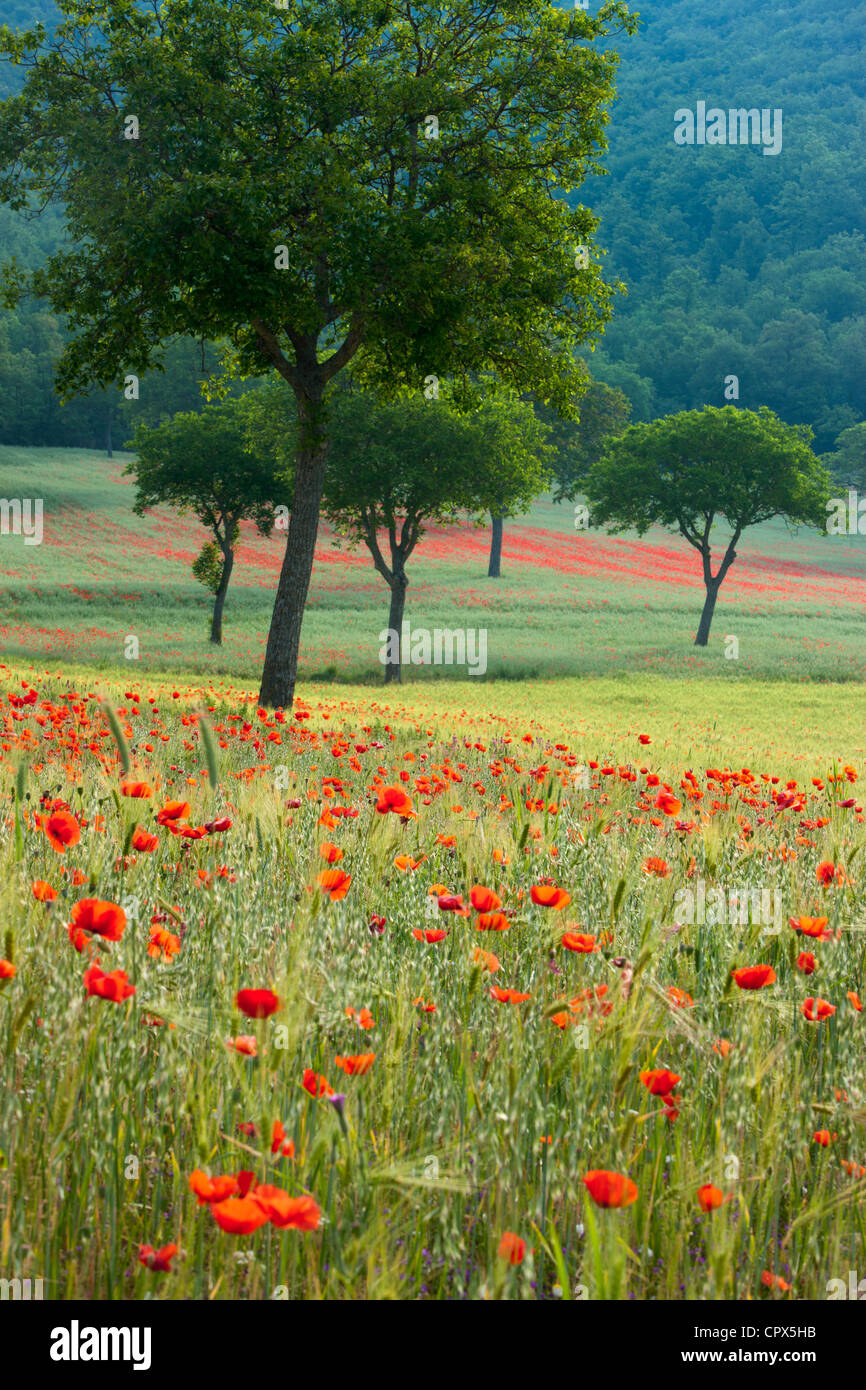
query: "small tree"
201, 464
397, 466
688, 471
847, 463
604, 412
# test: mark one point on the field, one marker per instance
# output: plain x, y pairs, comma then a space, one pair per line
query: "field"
568, 603
484, 980
495, 1047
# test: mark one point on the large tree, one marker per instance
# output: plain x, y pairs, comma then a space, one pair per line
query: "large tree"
603, 412
313, 182
693, 470
201, 463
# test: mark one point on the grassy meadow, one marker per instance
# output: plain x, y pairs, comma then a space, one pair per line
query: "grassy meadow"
495, 1046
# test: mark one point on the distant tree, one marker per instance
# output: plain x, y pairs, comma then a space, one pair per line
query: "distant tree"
603, 411
201, 463
513, 460
690, 470
847, 462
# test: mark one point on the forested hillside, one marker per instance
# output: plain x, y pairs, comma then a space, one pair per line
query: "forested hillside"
735, 262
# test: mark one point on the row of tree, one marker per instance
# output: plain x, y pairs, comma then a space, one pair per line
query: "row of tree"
398, 466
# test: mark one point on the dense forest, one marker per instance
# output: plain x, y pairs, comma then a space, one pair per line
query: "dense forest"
734, 263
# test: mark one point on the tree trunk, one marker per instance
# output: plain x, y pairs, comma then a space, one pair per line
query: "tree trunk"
707, 615
284, 639
493, 569
399, 585
216, 627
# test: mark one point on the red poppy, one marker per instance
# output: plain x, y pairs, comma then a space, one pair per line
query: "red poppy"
492, 921
358, 1065
548, 895
823, 1137
610, 1189
431, 935
63, 831
512, 1248
668, 804
43, 892
579, 941
173, 811
114, 986
257, 1003
239, 1216
143, 841
395, 799
332, 853
136, 789
710, 1197
157, 1260
7, 970
754, 976
284, 1211
335, 883
209, 1189
816, 1009
508, 996
316, 1084
806, 963
100, 918
484, 899
811, 926
660, 1082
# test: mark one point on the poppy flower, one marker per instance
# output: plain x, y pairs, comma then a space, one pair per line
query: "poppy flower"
453, 902
548, 895
99, 918
43, 892
143, 841
243, 1043
283, 1211
279, 1143
492, 921
332, 853
114, 986
395, 799
362, 1017
486, 959
432, 935
257, 1003
660, 1082
173, 811
723, 1047
358, 1065
710, 1197
754, 976
775, 1281
406, 864
508, 996
668, 804
579, 941
512, 1248
811, 926
239, 1216
610, 1189
157, 1260
62, 830
484, 899
826, 872
7, 970
335, 883
679, 997
854, 1000
140, 790
315, 1084
824, 1138
806, 963
656, 868
209, 1189
816, 1009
